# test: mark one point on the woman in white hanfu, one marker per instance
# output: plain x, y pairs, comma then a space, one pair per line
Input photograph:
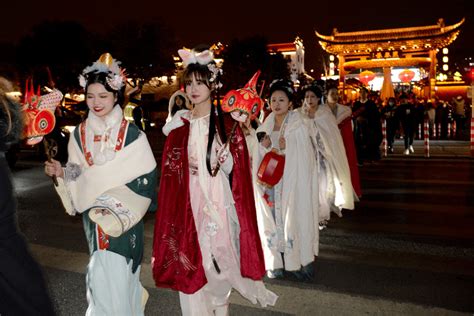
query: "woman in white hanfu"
343, 116
334, 178
110, 179
287, 213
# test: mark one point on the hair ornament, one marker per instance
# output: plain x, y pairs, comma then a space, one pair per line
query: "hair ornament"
116, 76
282, 84
202, 58
193, 57
316, 87
215, 73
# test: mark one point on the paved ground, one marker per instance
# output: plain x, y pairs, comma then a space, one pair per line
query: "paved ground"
407, 249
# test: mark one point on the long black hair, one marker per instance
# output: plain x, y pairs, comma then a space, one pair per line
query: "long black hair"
216, 117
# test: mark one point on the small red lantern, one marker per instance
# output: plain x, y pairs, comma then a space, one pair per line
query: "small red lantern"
406, 75
366, 76
245, 100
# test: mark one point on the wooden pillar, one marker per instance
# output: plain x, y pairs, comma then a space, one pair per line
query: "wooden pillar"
342, 74
432, 76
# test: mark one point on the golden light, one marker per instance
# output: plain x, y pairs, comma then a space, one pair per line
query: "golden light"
445, 50
445, 67
445, 59
331, 57
457, 76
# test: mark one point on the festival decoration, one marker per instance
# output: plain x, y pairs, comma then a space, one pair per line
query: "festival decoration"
38, 112
406, 75
245, 101
271, 169
366, 76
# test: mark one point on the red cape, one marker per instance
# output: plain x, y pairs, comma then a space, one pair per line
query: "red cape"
348, 138
176, 260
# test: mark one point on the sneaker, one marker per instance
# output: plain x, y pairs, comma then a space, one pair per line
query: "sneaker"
406, 152
308, 271
411, 149
275, 274
298, 275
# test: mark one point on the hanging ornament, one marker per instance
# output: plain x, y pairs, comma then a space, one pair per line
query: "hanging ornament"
406, 75
366, 76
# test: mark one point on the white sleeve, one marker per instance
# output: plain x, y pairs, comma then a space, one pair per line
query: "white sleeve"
175, 122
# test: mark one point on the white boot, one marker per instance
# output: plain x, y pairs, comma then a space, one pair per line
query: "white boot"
406, 152
411, 149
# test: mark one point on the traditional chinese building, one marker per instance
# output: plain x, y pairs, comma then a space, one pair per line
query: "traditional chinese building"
386, 49
294, 53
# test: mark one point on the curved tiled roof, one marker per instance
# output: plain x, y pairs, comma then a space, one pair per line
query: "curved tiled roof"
420, 37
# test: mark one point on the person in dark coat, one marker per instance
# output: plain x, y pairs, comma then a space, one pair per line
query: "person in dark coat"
407, 116
22, 286
368, 128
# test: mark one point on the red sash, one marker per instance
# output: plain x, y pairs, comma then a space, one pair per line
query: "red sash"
118, 144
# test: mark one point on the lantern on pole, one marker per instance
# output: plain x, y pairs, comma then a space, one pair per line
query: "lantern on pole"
406, 75
366, 76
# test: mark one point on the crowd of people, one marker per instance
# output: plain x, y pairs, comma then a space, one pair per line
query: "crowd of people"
220, 223
405, 115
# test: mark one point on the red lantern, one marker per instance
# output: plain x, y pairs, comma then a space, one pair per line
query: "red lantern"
366, 76
406, 75
245, 100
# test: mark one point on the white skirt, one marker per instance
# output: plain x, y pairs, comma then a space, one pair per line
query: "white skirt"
112, 288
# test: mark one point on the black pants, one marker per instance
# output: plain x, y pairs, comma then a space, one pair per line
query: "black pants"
409, 133
392, 127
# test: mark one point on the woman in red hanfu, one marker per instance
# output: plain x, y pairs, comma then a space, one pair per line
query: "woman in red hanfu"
206, 239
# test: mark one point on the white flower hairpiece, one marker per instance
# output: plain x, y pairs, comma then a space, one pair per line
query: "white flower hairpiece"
116, 77
215, 72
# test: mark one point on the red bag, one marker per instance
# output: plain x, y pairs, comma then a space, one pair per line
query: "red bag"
271, 169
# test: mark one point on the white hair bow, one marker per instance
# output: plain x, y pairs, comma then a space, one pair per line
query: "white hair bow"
192, 57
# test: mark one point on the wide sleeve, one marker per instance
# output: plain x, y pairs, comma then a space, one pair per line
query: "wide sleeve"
74, 161
126, 204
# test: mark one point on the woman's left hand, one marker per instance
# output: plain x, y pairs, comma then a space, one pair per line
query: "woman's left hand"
223, 154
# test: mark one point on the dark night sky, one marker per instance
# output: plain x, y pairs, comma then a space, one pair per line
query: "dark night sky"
196, 22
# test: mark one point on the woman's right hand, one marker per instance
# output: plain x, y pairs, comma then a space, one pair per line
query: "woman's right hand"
53, 168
